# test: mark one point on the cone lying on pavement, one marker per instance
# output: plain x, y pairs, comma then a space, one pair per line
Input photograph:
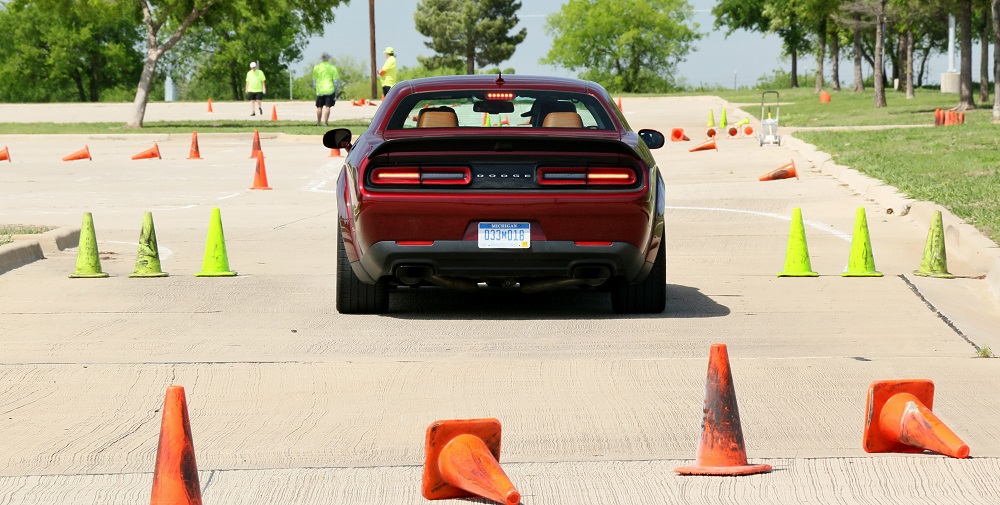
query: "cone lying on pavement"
461, 459
175, 477
216, 261
5, 154
148, 154
704, 146
260, 173
786, 171
797, 262
88, 260
677, 135
82, 154
935, 260
194, 153
721, 450
861, 263
899, 419
147, 263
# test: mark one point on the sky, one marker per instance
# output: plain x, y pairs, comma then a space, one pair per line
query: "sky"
717, 60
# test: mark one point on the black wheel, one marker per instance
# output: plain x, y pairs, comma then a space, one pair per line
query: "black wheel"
646, 297
354, 296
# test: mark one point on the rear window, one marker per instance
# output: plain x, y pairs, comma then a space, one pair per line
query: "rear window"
530, 109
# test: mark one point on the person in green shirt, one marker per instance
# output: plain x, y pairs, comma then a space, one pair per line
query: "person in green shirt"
255, 88
388, 71
325, 76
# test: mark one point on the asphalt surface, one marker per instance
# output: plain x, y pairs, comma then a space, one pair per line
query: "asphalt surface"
291, 402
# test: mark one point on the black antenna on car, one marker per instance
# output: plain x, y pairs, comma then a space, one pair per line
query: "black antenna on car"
500, 80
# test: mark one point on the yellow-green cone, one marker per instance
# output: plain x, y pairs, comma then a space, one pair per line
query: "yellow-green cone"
935, 261
797, 262
147, 264
711, 119
216, 262
722, 120
88, 260
861, 262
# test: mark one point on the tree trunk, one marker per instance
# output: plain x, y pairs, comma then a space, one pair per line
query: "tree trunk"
859, 79
78, 80
795, 68
879, 71
820, 54
996, 61
924, 56
984, 59
470, 56
142, 93
371, 44
909, 64
835, 60
965, 99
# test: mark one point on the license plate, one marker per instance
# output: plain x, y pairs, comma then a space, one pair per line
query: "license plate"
504, 235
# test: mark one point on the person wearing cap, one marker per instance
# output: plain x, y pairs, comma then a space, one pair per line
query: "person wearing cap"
255, 88
388, 71
325, 76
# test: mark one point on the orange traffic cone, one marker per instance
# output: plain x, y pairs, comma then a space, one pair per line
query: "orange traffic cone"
5, 154
175, 477
824, 97
710, 132
899, 419
937, 117
256, 144
335, 152
461, 459
619, 103
704, 146
274, 113
82, 154
148, 154
787, 171
506, 121
195, 153
961, 118
748, 130
733, 132
721, 451
677, 135
210, 105
260, 174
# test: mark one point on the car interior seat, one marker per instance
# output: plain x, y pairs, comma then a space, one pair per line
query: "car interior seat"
437, 117
549, 107
562, 120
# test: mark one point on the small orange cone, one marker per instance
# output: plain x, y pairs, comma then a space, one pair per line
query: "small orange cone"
5, 154
733, 132
787, 171
210, 105
335, 152
175, 477
148, 154
748, 130
899, 419
710, 132
82, 154
195, 153
961, 118
274, 113
260, 174
677, 135
619, 103
937, 117
506, 121
704, 146
824, 97
721, 451
256, 144
461, 459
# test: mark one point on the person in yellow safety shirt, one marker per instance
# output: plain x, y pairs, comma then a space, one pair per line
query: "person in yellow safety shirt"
255, 88
325, 76
388, 71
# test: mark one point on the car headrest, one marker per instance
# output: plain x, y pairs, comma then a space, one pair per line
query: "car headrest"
437, 117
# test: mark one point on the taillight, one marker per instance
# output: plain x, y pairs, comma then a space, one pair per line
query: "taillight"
592, 176
424, 176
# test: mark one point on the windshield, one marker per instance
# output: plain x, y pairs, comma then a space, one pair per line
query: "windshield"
503, 109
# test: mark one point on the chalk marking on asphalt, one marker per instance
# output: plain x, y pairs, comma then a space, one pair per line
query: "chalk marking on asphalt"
329, 173
227, 197
812, 224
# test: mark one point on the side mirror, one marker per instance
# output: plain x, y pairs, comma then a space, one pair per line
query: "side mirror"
652, 138
339, 138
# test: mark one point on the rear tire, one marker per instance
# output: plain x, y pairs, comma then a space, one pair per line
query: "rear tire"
354, 296
646, 297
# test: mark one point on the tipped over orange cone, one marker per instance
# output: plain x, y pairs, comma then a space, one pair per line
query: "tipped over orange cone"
704, 146
899, 419
148, 154
82, 154
5, 154
260, 173
721, 450
677, 135
175, 478
787, 171
195, 153
461, 459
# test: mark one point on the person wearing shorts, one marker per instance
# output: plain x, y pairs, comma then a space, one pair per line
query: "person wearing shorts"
325, 77
255, 88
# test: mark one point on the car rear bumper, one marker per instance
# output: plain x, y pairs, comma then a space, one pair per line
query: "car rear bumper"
464, 258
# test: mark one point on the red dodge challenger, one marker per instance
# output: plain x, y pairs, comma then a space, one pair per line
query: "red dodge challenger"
531, 182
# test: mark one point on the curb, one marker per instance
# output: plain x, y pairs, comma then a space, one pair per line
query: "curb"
961, 239
30, 248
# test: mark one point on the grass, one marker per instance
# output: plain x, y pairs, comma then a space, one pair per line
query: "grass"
220, 126
985, 352
7, 231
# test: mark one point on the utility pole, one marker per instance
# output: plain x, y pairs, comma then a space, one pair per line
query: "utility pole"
371, 29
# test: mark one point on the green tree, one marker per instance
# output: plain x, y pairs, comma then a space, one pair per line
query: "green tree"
767, 16
468, 31
625, 45
81, 54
